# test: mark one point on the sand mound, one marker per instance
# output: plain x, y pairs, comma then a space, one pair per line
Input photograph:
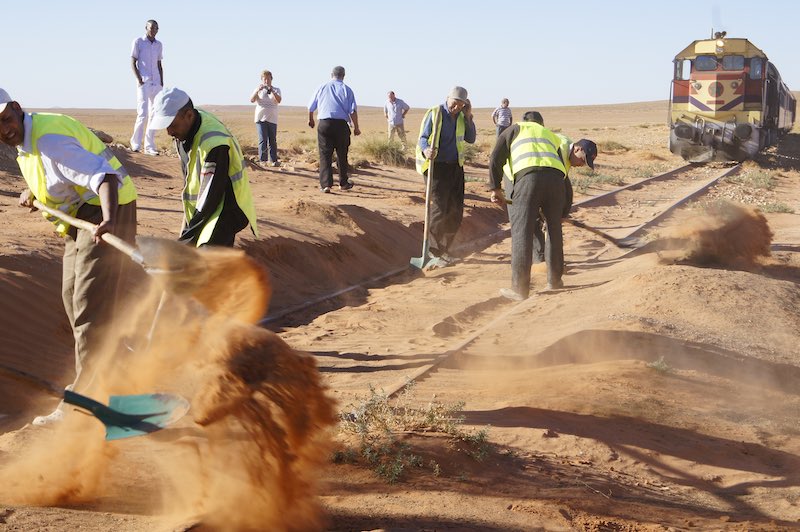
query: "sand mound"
722, 233
326, 214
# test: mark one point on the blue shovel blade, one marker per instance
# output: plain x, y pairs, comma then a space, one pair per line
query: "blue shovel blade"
143, 414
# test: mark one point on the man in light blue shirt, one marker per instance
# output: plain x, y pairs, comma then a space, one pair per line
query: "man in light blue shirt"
395, 111
335, 104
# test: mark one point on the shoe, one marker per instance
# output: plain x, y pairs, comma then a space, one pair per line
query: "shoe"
326, 190
150, 152
508, 293
275, 163
446, 257
346, 186
135, 149
556, 285
55, 417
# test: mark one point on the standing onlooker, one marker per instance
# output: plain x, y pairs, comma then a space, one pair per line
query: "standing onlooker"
335, 104
217, 202
530, 154
395, 111
66, 167
502, 116
267, 97
443, 135
146, 62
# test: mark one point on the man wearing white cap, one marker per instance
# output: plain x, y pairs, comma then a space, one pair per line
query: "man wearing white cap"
68, 168
217, 202
443, 135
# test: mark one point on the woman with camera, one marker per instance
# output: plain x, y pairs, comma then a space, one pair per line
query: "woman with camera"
267, 97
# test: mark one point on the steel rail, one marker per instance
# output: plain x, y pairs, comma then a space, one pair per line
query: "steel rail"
272, 317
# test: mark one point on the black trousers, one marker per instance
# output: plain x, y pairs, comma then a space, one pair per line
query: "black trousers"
333, 134
447, 205
540, 188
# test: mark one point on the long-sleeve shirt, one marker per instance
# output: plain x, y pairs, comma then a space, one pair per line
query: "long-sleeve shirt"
68, 164
447, 152
219, 189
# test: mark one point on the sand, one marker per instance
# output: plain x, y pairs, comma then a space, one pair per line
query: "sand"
649, 394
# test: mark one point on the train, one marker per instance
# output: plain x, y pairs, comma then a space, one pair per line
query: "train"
727, 101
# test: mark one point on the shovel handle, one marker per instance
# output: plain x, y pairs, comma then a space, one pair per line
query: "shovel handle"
109, 238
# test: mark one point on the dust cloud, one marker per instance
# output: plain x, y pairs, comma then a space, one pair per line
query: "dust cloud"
721, 233
247, 454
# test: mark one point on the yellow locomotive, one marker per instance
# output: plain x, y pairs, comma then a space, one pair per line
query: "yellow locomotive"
727, 101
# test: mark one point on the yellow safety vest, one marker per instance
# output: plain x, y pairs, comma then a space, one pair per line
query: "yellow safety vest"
213, 133
565, 148
433, 140
33, 170
534, 145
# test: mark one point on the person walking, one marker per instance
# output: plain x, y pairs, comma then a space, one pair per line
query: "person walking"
501, 117
146, 57
267, 97
335, 104
66, 167
443, 135
530, 155
217, 202
395, 111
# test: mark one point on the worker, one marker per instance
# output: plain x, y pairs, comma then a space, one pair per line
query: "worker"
443, 135
577, 154
532, 160
217, 202
66, 167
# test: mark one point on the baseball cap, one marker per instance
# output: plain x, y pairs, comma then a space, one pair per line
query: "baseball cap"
166, 105
458, 93
590, 149
5, 99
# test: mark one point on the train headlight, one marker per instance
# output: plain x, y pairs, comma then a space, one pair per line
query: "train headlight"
697, 85
684, 131
743, 131
734, 84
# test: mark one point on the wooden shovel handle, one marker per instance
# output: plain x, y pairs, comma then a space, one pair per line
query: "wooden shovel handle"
109, 238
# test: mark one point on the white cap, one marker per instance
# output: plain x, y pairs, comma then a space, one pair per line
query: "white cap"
5, 99
166, 105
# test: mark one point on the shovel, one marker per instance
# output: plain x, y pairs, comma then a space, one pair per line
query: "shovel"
125, 416
426, 258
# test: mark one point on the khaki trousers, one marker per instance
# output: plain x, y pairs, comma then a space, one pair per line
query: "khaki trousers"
92, 279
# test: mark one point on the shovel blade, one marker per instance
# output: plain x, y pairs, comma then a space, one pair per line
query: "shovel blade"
143, 414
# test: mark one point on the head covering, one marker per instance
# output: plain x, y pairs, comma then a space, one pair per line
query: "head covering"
5, 99
533, 116
166, 105
590, 149
458, 93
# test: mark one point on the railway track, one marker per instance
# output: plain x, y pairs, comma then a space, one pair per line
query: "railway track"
693, 181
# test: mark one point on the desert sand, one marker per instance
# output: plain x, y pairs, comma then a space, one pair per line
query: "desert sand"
656, 391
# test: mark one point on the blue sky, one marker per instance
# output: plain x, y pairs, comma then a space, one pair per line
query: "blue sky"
77, 53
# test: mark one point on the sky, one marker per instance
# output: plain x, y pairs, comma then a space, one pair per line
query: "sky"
77, 53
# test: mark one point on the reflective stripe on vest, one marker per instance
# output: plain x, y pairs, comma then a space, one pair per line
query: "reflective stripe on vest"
534, 146
422, 163
213, 133
565, 147
33, 170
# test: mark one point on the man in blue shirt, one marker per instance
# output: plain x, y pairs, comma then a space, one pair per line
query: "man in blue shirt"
335, 104
444, 131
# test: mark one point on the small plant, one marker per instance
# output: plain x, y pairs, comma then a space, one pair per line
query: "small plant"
383, 151
377, 424
754, 179
611, 146
584, 178
660, 365
776, 207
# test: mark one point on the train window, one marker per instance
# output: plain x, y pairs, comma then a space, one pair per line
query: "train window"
705, 63
756, 68
683, 68
733, 62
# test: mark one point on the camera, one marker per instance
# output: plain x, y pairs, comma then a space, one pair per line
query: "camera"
269, 90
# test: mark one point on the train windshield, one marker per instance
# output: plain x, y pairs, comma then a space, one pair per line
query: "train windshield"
705, 63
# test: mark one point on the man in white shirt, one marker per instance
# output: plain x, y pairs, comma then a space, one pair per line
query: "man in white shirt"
395, 111
146, 58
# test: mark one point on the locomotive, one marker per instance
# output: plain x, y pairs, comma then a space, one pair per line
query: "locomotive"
727, 101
